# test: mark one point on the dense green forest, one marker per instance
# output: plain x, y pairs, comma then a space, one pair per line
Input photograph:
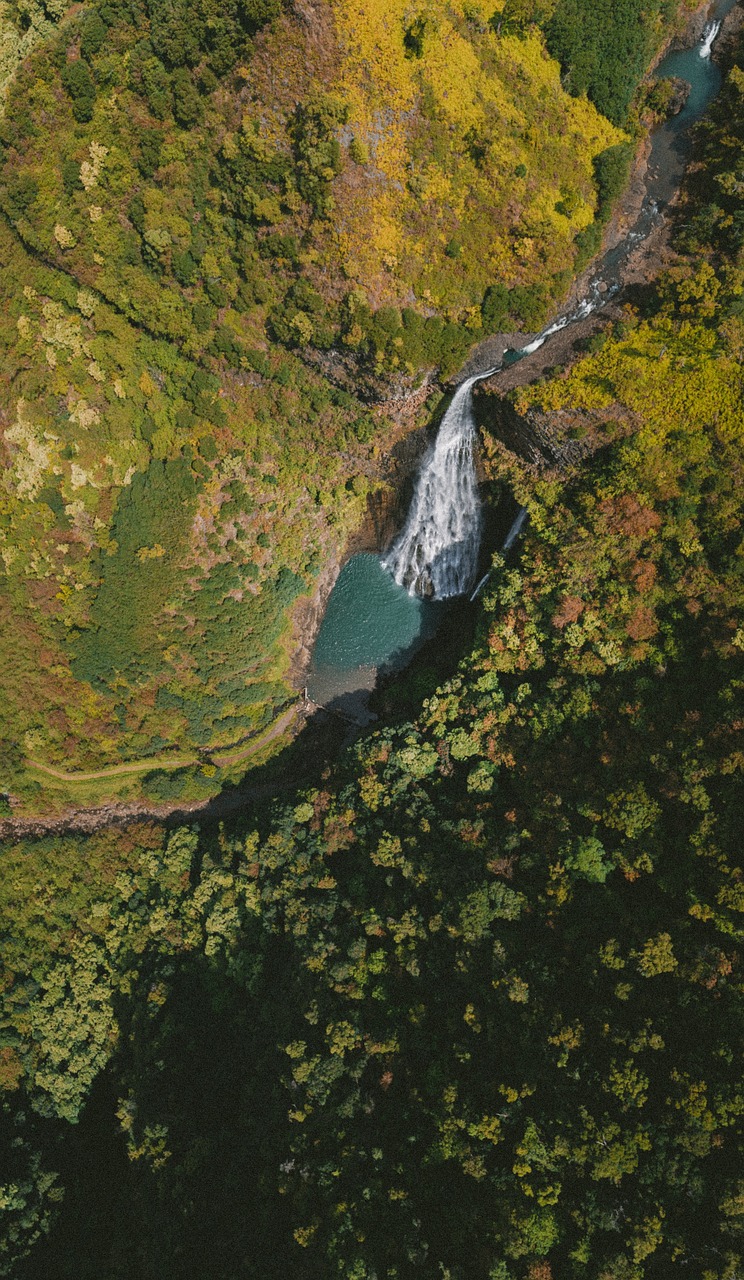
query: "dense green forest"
253, 232
468, 1003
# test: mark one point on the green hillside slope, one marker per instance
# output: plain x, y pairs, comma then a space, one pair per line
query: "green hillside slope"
470, 1004
237, 192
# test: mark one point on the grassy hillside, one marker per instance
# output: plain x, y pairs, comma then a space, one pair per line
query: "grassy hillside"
234, 189
469, 1003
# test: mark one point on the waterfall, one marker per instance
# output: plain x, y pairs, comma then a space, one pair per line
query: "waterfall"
709, 36
437, 552
516, 528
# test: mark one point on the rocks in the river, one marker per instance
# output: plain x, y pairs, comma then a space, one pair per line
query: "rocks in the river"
665, 97
680, 93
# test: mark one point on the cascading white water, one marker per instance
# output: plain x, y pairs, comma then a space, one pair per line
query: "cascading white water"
518, 524
436, 554
709, 37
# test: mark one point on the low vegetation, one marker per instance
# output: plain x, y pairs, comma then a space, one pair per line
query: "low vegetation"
469, 1003
233, 202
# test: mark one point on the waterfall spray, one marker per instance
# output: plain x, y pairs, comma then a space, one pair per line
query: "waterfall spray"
517, 526
436, 554
709, 36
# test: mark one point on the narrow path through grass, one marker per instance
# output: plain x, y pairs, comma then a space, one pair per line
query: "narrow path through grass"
144, 766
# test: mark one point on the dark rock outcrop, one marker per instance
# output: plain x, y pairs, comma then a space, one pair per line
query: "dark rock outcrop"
550, 441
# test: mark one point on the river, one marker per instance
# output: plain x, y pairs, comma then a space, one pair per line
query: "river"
381, 610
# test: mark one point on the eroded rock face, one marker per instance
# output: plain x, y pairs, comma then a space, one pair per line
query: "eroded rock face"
386, 512
347, 371
695, 25
388, 506
497, 416
680, 94
550, 441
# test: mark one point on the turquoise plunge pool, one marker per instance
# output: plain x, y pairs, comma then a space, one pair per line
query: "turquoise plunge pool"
371, 624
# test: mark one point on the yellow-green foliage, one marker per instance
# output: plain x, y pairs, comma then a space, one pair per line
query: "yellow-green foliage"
195, 218
17, 38
663, 371
95, 404
663, 514
441, 205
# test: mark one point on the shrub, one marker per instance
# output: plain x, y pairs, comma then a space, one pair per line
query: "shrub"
359, 151
93, 36
495, 308
151, 143
162, 785
78, 84
70, 170
413, 38
187, 104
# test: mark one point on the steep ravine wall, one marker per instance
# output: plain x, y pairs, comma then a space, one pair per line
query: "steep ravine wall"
548, 441
388, 502
541, 441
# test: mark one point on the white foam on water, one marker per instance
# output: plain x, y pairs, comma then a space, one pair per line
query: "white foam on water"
436, 553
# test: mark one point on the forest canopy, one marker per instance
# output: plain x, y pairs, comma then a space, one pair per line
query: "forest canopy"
466, 1001
249, 240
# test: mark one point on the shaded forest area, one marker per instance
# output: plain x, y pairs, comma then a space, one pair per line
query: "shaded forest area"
470, 1005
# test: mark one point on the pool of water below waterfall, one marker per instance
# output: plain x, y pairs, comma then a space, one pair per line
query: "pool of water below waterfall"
372, 624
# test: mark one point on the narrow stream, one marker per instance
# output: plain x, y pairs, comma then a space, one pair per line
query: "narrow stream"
382, 609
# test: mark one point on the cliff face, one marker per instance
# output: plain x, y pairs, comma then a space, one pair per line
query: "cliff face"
259, 223
556, 440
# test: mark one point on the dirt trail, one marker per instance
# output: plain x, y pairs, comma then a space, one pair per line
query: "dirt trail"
87, 820
145, 766
136, 766
650, 257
